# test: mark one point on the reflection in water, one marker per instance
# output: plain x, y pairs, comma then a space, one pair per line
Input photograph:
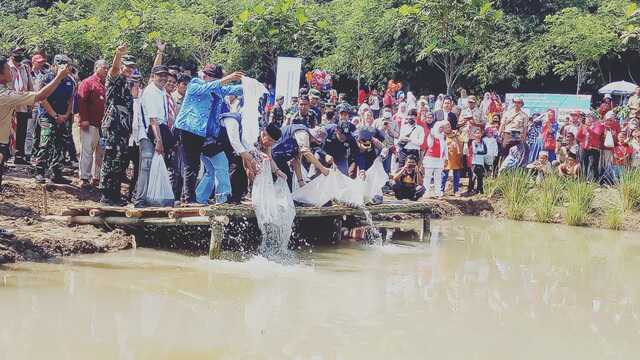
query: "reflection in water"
478, 289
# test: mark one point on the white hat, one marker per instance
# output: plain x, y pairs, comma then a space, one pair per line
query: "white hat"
607, 96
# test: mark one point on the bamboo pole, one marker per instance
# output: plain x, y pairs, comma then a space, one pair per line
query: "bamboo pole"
45, 205
97, 220
96, 212
183, 212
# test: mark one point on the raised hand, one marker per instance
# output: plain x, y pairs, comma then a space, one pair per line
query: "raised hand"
161, 45
122, 49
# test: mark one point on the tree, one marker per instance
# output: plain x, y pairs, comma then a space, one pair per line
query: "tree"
452, 33
366, 35
266, 29
572, 45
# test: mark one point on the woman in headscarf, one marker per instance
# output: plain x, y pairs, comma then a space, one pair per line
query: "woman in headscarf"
550, 134
439, 102
534, 143
411, 100
484, 106
611, 131
399, 116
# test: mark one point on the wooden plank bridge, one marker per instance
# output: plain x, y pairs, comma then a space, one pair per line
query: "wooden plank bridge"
219, 216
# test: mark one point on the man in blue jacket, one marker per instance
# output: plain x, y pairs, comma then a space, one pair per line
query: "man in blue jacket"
199, 119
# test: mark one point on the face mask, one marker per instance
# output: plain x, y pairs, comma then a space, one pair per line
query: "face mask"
18, 58
412, 122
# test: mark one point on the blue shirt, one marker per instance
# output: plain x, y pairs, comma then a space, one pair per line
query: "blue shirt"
202, 105
59, 100
287, 147
336, 148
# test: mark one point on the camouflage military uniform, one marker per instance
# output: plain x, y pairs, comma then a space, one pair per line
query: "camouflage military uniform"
52, 135
51, 150
116, 130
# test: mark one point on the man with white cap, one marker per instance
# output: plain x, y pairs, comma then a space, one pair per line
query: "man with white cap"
634, 103
513, 124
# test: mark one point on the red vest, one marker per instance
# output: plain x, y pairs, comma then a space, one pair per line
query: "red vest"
434, 151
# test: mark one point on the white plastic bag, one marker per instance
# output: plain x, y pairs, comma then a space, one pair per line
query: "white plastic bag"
274, 209
336, 186
159, 191
608, 140
376, 178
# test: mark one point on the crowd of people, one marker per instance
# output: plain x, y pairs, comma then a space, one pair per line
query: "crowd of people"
111, 124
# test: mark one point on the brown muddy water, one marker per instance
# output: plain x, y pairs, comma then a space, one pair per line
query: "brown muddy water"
480, 289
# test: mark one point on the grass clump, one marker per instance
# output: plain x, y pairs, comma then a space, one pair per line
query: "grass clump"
514, 186
547, 197
614, 217
580, 196
628, 187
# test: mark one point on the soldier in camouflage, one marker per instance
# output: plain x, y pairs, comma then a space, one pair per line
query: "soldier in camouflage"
116, 126
55, 115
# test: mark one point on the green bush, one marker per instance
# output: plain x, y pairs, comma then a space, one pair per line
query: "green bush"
547, 196
629, 189
514, 186
580, 195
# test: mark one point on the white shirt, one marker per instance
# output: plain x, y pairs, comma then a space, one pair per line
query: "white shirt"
233, 132
154, 105
416, 136
136, 123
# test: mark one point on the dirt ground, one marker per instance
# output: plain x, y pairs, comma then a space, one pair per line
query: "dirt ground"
39, 236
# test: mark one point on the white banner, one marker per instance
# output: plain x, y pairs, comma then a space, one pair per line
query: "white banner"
288, 78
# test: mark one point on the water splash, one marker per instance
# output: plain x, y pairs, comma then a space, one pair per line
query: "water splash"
372, 235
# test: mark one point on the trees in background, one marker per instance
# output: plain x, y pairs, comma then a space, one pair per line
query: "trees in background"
472, 43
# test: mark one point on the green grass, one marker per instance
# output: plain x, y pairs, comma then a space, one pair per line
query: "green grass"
579, 195
546, 197
514, 187
629, 189
614, 217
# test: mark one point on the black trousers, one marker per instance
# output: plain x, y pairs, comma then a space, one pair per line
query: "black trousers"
239, 179
191, 149
413, 193
591, 164
476, 182
22, 122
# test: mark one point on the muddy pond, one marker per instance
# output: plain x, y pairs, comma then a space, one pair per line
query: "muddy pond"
479, 289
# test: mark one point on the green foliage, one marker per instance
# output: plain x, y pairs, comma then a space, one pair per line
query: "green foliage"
453, 33
580, 196
575, 41
366, 39
478, 42
614, 217
629, 189
264, 30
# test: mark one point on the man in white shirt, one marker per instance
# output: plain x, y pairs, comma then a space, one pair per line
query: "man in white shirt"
411, 138
154, 113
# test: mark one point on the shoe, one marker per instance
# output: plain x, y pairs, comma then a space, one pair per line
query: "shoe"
84, 184
40, 179
377, 200
60, 180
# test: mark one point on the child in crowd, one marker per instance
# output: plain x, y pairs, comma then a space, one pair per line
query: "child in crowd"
635, 145
621, 155
434, 159
478, 154
454, 161
541, 167
570, 167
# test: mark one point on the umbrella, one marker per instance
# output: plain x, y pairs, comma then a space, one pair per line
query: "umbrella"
618, 88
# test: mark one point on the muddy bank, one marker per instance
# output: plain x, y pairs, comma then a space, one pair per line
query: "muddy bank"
36, 236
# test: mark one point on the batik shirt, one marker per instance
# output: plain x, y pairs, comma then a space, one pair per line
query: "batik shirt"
118, 114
